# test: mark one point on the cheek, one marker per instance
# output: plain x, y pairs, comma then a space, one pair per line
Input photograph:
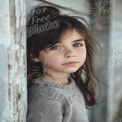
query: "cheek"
82, 54
52, 59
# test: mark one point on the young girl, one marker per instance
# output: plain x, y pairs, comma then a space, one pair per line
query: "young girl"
60, 52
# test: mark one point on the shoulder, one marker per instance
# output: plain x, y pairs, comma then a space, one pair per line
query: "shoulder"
47, 91
42, 108
48, 101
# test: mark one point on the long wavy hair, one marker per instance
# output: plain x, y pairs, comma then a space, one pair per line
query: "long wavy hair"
46, 26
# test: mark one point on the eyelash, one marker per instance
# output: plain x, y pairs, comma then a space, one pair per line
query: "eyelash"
53, 47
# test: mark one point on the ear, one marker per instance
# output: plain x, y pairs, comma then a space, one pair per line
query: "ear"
35, 59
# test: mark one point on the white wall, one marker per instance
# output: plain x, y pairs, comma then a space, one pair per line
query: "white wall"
115, 63
13, 98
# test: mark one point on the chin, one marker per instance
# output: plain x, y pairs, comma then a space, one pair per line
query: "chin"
72, 71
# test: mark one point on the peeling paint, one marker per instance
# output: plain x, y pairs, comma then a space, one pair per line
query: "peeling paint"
13, 65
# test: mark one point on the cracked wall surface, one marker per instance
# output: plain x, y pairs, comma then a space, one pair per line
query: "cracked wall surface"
13, 94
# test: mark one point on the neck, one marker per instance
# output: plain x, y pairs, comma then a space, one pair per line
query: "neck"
58, 78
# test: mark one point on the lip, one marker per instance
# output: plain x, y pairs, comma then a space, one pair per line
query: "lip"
70, 63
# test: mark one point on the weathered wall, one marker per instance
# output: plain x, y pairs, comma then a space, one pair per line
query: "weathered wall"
108, 28
115, 64
13, 100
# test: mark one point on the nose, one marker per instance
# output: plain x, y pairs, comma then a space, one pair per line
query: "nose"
69, 53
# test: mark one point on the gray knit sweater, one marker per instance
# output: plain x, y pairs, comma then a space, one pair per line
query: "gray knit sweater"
51, 102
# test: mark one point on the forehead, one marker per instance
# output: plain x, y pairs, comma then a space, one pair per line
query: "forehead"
71, 35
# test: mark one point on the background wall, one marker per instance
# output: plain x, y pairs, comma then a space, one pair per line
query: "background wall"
115, 64
13, 98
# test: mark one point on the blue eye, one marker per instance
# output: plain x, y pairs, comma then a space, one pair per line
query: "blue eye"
54, 48
77, 45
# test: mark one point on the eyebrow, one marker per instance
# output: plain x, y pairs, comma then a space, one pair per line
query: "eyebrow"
77, 40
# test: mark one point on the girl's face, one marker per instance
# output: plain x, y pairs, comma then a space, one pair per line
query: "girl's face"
67, 56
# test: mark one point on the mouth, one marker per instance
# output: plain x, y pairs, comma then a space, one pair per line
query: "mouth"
70, 63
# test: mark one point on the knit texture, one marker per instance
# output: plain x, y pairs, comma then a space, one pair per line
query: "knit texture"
51, 102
